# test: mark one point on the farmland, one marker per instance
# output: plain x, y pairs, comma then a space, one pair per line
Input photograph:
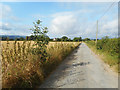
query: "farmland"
22, 68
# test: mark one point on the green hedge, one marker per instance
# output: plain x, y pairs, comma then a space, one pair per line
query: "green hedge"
109, 47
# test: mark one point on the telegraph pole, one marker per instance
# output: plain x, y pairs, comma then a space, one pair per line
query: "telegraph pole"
102, 17
96, 32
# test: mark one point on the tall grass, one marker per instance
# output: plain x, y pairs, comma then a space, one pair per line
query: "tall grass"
21, 68
108, 49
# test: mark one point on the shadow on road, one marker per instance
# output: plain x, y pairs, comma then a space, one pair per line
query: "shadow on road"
65, 69
81, 64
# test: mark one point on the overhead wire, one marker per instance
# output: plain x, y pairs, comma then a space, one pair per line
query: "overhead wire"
107, 10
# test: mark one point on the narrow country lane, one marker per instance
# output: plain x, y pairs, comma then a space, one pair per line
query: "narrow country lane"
82, 69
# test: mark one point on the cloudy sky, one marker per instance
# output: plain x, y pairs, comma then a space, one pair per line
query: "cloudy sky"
72, 19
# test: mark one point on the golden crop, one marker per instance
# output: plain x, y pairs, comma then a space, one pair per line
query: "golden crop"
21, 68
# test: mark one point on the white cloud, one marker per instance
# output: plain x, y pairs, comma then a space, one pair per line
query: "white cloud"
64, 25
14, 29
109, 28
72, 25
7, 14
5, 26
5, 11
11, 24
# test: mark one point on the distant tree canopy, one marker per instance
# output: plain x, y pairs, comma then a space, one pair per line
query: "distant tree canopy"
86, 39
58, 39
46, 38
50, 39
69, 39
4, 38
19, 39
41, 38
64, 38
77, 39
12, 39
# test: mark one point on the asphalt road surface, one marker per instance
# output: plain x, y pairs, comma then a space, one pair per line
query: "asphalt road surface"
82, 69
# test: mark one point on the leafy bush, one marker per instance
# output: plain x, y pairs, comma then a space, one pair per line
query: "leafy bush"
108, 45
102, 42
40, 38
108, 48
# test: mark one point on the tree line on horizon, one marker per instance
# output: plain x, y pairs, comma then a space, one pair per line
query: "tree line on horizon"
32, 37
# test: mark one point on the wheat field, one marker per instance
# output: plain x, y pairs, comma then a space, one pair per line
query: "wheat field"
21, 68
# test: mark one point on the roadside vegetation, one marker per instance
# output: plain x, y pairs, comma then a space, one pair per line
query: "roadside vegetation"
108, 50
25, 64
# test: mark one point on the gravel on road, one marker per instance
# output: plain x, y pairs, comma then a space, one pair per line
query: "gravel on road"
82, 69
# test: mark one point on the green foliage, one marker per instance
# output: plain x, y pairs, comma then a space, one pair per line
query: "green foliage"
69, 39
4, 38
77, 39
41, 40
86, 39
20, 39
50, 39
108, 49
108, 45
64, 38
58, 39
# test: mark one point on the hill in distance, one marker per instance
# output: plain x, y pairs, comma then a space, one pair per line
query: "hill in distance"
12, 36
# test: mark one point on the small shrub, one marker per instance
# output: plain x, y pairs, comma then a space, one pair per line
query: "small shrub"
39, 34
109, 47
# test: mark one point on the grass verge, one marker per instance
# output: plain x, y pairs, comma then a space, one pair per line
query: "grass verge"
111, 60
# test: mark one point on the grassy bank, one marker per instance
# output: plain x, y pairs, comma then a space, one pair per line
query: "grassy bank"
108, 51
21, 68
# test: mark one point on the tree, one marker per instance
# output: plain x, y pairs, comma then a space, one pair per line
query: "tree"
64, 38
21, 38
77, 39
58, 39
50, 39
41, 40
4, 38
32, 37
27, 38
69, 39
87, 39
80, 38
